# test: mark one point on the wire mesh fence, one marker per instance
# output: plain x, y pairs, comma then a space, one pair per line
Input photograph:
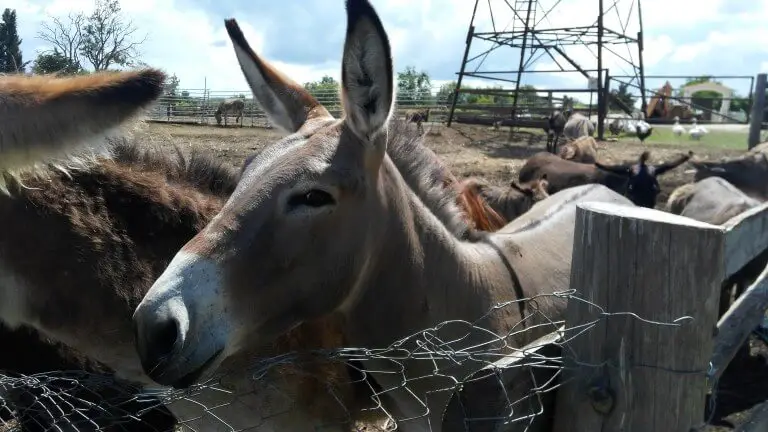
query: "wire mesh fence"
454, 376
199, 106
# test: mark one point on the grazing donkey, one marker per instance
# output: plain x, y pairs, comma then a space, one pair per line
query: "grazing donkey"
230, 106
323, 223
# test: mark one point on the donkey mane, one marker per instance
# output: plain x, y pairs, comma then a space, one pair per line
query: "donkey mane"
416, 164
197, 170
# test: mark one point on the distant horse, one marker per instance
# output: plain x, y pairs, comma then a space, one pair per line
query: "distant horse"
230, 106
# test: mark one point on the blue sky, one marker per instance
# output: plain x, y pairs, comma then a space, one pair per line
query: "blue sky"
304, 37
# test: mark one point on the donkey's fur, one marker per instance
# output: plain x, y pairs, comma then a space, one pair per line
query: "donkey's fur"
582, 149
427, 174
100, 401
714, 200
578, 126
510, 202
230, 106
323, 222
40, 115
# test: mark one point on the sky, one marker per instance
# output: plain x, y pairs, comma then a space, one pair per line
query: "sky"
304, 38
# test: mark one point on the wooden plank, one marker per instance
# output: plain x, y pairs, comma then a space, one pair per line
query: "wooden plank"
502, 397
630, 373
746, 237
734, 327
757, 421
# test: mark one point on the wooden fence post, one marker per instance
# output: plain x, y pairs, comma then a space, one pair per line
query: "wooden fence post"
758, 110
625, 373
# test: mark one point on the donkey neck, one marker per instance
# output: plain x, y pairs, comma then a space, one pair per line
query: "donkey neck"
425, 273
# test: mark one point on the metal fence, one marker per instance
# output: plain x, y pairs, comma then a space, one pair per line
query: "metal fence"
199, 105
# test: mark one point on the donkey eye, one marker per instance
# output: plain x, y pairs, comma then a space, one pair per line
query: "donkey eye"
312, 198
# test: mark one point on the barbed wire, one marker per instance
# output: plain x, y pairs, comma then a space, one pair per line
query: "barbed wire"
449, 377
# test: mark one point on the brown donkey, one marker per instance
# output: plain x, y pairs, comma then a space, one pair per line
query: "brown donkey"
323, 223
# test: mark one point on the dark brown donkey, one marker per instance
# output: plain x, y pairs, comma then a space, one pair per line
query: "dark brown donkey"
90, 234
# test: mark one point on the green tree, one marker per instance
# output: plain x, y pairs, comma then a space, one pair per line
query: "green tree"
620, 96
414, 88
326, 90
11, 60
108, 38
55, 62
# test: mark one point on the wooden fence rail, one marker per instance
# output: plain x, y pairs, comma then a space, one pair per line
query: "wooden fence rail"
640, 366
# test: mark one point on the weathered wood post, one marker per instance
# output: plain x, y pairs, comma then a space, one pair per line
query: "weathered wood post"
639, 373
758, 110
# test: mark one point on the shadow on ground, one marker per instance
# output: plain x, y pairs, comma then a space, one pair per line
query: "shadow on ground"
744, 384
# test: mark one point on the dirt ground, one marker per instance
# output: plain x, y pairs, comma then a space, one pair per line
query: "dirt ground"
469, 150
479, 151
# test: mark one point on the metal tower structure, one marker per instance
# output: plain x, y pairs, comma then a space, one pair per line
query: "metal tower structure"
532, 34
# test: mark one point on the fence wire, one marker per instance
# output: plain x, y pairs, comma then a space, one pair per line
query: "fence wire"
340, 389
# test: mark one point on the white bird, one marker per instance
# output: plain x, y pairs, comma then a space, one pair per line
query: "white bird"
678, 129
696, 131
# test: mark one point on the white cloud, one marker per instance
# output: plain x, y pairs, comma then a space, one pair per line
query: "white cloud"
189, 39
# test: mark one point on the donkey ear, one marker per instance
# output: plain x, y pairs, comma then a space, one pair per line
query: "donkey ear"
285, 102
366, 71
45, 116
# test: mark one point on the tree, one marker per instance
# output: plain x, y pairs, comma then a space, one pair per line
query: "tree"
11, 60
103, 38
55, 62
623, 95
326, 90
65, 36
171, 86
414, 88
107, 39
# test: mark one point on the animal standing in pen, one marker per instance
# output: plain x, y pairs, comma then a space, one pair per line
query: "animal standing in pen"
554, 128
418, 117
327, 200
577, 126
230, 106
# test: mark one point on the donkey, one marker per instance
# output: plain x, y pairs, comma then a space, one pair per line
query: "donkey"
578, 126
638, 181
230, 106
126, 212
554, 128
323, 223
714, 200
509, 202
417, 116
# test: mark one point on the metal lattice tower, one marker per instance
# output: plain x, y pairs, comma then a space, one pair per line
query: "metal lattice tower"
529, 34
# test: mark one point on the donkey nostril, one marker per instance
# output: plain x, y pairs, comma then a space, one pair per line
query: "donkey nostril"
161, 341
166, 335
